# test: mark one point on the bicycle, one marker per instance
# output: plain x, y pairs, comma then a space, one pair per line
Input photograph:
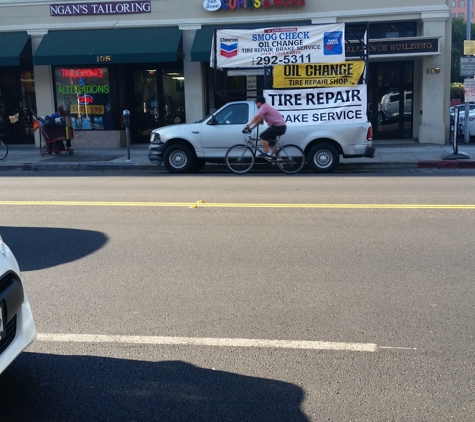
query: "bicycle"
241, 158
3, 150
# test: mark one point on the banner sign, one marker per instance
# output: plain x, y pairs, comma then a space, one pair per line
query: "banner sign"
109, 8
320, 105
273, 46
318, 75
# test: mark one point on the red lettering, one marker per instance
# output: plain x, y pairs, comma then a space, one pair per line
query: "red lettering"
267, 3
82, 73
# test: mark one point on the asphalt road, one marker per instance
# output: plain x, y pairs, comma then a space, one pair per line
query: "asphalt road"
379, 267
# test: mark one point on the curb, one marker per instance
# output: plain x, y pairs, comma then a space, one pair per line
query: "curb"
78, 167
447, 164
342, 167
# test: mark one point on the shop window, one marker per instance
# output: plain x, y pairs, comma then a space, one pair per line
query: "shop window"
85, 95
234, 114
383, 30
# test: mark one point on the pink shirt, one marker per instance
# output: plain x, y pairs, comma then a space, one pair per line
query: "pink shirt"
271, 115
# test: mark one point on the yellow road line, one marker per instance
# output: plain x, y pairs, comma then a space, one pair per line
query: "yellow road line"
200, 204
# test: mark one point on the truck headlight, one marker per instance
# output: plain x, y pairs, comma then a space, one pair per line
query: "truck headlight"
155, 137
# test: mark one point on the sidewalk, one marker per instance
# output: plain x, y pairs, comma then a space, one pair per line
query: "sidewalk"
389, 155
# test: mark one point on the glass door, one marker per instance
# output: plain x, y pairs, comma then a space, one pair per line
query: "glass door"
146, 115
173, 83
159, 100
390, 91
17, 96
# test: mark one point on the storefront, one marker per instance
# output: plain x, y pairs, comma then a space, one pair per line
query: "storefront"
17, 88
153, 58
97, 74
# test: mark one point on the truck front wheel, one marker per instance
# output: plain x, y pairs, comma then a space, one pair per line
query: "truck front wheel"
178, 159
323, 158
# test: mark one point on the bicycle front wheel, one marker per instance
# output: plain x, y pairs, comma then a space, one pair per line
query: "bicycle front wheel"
3, 150
240, 159
290, 159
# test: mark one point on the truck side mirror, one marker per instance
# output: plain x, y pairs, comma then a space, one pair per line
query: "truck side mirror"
211, 121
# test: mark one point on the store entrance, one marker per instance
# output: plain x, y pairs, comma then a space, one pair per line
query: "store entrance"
159, 100
17, 96
390, 90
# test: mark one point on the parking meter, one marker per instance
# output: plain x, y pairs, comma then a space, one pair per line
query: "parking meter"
127, 131
126, 118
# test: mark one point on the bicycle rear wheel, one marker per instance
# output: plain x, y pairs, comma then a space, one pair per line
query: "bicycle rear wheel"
291, 159
240, 159
3, 150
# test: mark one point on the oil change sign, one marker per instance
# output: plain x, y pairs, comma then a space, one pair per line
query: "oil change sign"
320, 105
318, 75
277, 46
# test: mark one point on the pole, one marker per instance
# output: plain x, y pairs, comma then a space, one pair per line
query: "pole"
467, 104
127, 132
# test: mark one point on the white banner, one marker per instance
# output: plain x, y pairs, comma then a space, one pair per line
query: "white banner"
320, 105
273, 46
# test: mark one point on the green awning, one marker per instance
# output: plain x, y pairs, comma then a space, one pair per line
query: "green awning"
11, 47
201, 48
109, 46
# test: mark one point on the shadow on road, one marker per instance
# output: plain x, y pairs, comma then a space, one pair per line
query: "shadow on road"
37, 248
44, 387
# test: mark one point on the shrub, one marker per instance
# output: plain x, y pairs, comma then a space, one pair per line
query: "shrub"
457, 91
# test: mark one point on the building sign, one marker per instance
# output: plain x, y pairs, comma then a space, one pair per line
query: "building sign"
467, 66
403, 46
213, 5
106, 8
318, 75
273, 46
468, 48
320, 106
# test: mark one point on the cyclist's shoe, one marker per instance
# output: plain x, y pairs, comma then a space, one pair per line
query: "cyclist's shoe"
265, 155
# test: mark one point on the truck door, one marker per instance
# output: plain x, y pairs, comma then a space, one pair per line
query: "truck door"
224, 129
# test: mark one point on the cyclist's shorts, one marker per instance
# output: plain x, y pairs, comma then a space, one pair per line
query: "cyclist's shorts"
272, 132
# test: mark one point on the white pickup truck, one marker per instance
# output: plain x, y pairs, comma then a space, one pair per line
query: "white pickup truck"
188, 147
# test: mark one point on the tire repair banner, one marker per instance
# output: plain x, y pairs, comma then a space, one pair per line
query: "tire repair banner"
317, 106
318, 75
278, 46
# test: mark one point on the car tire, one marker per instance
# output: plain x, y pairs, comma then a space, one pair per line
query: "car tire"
178, 159
323, 158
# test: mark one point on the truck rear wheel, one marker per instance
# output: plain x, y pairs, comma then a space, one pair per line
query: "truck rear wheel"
178, 159
323, 158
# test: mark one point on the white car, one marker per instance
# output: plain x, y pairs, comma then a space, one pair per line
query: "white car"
17, 328
471, 123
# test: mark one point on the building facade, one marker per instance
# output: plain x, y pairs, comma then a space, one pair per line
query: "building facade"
458, 9
97, 59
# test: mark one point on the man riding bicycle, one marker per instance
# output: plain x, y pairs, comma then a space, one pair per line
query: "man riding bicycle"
276, 124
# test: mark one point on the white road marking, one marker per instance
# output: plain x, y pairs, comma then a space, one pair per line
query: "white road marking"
214, 342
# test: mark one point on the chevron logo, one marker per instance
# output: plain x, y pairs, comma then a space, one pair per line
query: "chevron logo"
229, 50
